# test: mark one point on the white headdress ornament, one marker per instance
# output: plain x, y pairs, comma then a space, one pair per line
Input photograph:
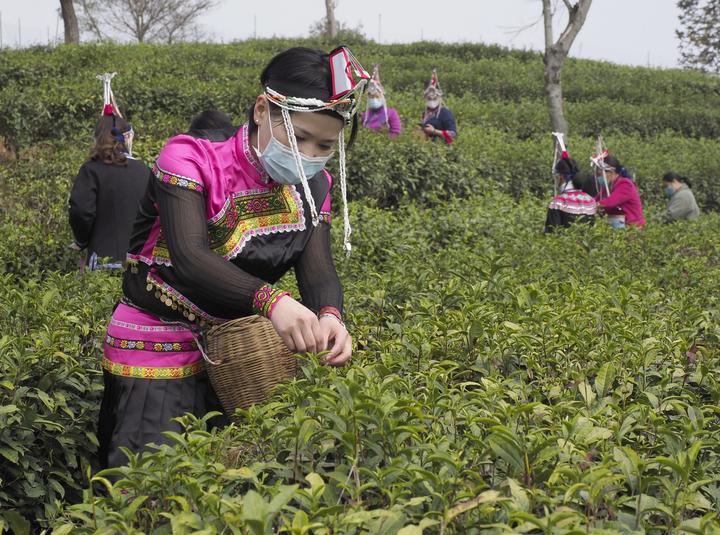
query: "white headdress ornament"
109, 105
111, 108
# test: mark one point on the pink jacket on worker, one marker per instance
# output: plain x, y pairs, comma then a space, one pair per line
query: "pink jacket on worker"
624, 199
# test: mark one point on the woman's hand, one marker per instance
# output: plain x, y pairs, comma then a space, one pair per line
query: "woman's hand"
333, 332
429, 130
297, 325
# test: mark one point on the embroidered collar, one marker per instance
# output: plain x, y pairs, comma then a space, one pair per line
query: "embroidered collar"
243, 137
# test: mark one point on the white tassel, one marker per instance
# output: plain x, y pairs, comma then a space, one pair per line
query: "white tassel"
347, 230
298, 162
108, 96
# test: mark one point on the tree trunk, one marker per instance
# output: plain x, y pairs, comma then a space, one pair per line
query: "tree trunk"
555, 54
553, 91
72, 33
331, 22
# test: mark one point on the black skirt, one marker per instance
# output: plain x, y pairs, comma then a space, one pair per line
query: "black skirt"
135, 412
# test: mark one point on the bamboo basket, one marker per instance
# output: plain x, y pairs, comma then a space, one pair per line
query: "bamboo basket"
245, 359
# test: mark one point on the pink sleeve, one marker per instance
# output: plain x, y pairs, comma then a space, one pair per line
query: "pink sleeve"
395, 126
620, 195
326, 208
181, 163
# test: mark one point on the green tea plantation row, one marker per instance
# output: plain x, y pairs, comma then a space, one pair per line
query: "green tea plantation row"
654, 120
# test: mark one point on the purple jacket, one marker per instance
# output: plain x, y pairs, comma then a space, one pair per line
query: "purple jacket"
375, 121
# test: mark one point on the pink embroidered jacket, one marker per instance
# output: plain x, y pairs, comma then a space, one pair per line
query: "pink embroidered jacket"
624, 199
258, 225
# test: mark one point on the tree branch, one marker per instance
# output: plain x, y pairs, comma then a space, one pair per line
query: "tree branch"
547, 17
144, 20
576, 19
89, 14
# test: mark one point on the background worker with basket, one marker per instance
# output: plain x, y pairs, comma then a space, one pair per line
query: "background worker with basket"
229, 213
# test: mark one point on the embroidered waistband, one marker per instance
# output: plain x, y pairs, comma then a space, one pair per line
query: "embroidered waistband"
147, 372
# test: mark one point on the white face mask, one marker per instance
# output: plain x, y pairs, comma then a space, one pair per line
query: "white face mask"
432, 103
375, 103
279, 161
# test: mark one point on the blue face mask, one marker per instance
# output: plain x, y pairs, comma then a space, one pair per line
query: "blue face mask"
669, 191
375, 103
279, 162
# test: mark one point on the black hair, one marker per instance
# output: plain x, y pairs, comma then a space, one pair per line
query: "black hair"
301, 72
590, 185
213, 125
211, 120
613, 162
671, 176
570, 169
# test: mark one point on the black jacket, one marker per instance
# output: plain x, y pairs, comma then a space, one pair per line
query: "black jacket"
103, 204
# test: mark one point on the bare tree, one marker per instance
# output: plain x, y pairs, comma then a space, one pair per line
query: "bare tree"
72, 32
334, 31
555, 54
166, 21
88, 19
699, 34
331, 23
345, 33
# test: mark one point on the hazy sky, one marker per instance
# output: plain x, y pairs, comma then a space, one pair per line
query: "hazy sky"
637, 32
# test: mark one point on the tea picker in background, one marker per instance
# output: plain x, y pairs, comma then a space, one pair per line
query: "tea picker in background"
106, 194
211, 123
682, 203
570, 204
378, 117
438, 122
623, 205
227, 214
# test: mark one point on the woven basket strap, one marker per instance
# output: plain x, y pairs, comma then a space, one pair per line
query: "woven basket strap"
198, 341
204, 354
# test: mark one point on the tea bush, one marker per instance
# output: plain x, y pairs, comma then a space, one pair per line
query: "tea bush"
51, 331
508, 382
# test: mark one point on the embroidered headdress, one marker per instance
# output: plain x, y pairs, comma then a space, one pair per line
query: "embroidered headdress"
375, 88
110, 107
597, 161
433, 89
348, 82
560, 153
374, 85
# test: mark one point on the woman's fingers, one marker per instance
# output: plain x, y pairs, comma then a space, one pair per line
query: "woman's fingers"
317, 334
343, 355
308, 333
323, 337
341, 350
298, 341
338, 342
326, 332
288, 340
